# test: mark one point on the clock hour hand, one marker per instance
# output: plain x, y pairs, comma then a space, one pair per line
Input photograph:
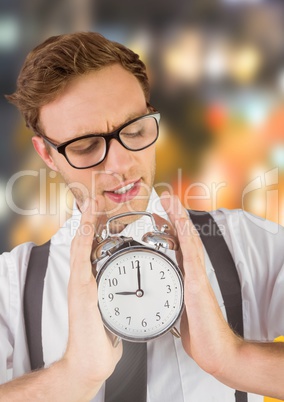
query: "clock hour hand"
125, 293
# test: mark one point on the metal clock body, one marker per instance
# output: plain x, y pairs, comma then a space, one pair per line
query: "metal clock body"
140, 289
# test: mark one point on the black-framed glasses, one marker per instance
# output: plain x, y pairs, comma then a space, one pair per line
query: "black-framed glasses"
91, 149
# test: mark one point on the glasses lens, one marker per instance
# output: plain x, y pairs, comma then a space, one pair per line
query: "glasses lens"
86, 152
139, 134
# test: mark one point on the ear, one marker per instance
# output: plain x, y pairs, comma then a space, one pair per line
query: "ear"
40, 148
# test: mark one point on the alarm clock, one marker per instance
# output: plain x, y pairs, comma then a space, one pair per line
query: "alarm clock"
140, 288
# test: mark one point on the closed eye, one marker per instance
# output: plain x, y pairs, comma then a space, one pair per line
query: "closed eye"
85, 146
133, 134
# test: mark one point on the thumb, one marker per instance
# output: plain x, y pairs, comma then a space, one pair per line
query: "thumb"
81, 247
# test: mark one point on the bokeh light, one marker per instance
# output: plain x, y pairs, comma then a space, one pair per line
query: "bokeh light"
216, 69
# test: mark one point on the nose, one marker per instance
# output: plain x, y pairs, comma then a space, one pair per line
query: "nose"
118, 159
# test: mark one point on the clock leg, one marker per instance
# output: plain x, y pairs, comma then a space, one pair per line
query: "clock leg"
116, 341
174, 331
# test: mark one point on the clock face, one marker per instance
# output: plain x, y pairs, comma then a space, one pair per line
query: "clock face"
140, 293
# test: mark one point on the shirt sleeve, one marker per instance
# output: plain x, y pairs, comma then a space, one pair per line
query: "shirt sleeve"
266, 248
6, 338
12, 279
257, 246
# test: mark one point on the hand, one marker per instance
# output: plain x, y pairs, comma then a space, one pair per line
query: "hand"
90, 356
206, 337
90, 350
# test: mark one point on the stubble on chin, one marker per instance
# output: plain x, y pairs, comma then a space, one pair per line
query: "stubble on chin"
81, 193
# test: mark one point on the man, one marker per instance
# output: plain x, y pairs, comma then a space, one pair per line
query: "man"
82, 95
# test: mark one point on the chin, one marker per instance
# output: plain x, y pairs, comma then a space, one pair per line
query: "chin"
118, 225
133, 206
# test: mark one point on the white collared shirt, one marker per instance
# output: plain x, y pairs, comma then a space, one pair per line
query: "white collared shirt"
257, 249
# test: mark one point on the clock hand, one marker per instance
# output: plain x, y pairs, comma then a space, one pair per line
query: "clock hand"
139, 291
138, 276
125, 293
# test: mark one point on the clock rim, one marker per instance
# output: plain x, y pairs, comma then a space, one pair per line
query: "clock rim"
141, 247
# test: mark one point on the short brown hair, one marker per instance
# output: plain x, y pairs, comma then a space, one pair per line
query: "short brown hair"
52, 64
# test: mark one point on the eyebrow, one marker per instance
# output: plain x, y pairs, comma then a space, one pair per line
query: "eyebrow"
129, 117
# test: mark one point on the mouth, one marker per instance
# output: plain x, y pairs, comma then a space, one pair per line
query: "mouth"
125, 192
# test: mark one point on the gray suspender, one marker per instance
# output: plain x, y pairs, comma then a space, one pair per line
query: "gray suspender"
33, 302
227, 277
226, 273
128, 383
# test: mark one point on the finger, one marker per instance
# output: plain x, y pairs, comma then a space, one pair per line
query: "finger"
187, 234
177, 213
93, 210
161, 222
189, 240
173, 206
83, 242
100, 215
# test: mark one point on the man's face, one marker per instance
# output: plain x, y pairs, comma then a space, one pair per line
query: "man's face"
100, 102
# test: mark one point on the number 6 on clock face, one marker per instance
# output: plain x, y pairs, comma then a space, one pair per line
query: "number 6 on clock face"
140, 293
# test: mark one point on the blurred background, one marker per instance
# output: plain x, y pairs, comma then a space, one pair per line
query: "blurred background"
217, 74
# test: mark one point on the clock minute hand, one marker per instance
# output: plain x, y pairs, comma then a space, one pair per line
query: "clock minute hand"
138, 276
139, 291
